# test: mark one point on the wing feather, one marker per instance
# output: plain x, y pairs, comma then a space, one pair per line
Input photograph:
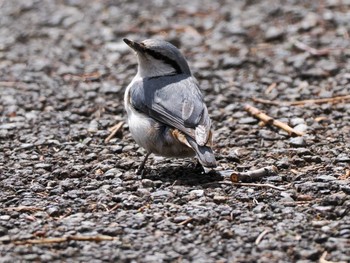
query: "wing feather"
175, 101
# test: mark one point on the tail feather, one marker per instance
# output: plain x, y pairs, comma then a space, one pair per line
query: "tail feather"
204, 153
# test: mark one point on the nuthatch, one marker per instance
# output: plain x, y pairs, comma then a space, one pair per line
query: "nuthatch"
166, 112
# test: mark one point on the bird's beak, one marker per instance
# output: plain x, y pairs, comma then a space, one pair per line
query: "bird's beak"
134, 45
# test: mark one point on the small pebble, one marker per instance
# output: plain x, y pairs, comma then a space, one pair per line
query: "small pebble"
297, 142
274, 33
197, 193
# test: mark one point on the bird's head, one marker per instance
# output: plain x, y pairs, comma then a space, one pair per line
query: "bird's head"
158, 58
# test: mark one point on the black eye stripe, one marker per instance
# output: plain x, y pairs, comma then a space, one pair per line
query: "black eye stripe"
165, 59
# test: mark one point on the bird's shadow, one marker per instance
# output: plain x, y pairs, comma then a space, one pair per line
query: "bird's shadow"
189, 175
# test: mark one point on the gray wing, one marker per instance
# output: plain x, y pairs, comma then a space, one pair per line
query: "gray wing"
175, 101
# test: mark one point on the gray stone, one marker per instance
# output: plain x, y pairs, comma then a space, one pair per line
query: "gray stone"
297, 141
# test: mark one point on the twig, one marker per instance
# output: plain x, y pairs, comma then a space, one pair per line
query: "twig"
261, 236
270, 102
260, 185
311, 50
93, 76
320, 101
271, 121
67, 213
13, 84
270, 88
321, 118
53, 240
24, 209
114, 130
323, 259
114, 207
303, 102
254, 175
188, 220
345, 176
143, 208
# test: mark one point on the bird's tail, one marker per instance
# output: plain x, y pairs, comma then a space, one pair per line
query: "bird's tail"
204, 153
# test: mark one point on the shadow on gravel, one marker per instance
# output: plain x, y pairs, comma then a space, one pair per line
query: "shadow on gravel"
183, 175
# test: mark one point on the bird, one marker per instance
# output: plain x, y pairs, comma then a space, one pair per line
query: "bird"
166, 113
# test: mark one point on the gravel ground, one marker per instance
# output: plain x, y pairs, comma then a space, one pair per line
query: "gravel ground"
64, 69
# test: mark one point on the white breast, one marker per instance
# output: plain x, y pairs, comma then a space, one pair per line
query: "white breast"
139, 123
152, 135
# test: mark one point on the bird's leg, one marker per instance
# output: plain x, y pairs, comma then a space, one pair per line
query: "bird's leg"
142, 165
198, 165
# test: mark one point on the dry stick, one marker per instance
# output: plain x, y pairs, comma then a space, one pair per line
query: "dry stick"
24, 208
116, 127
270, 88
261, 236
188, 220
270, 102
114, 207
114, 130
320, 101
52, 240
18, 84
345, 176
258, 174
254, 175
311, 50
323, 259
271, 121
303, 102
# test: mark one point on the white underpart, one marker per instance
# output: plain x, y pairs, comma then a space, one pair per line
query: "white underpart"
137, 122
